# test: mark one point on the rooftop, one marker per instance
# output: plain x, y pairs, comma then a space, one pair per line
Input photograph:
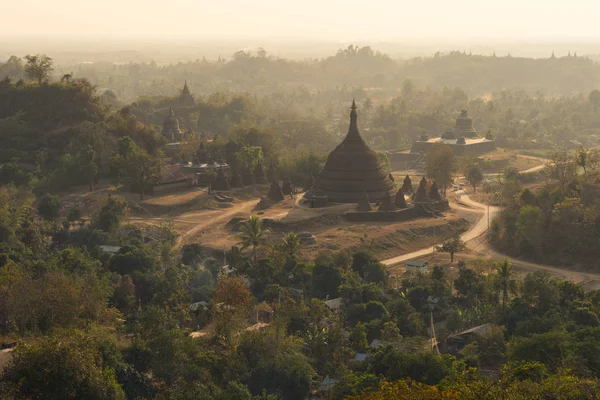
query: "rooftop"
453, 141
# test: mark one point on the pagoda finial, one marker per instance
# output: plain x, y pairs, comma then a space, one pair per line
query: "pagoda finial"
171, 111
186, 90
353, 129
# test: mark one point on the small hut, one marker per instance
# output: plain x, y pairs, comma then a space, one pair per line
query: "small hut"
275, 193
407, 187
421, 194
364, 205
399, 200
386, 203
221, 182
259, 175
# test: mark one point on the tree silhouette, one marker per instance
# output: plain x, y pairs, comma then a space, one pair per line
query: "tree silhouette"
252, 235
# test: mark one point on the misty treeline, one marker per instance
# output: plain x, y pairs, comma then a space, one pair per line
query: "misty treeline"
355, 69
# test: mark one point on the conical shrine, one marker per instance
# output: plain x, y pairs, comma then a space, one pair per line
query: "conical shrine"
288, 188
400, 201
275, 193
236, 180
386, 203
421, 194
352, 169
434, 193
221, 182
407, 187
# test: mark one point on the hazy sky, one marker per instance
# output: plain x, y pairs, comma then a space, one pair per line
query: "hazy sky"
329, 20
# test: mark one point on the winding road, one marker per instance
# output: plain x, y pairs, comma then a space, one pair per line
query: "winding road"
477, 244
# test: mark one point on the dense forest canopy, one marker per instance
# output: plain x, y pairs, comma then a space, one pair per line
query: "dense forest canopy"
360, 69
100, 308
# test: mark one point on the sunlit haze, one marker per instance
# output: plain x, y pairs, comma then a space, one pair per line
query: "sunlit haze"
330, 20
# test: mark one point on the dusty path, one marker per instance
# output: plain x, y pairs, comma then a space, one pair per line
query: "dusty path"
476, 230
477, 243
212, 219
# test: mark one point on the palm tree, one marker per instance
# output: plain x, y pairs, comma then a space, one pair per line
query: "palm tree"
291, 244
505, 281
253, 235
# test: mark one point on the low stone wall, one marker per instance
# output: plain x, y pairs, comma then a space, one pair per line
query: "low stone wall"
472, 149
384, 216
173, 186
416, 211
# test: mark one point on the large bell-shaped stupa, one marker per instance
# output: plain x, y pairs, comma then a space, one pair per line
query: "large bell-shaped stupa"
352, 169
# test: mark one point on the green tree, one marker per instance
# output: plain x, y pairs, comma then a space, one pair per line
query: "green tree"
505, 281
49, 207
561, 166
141, 170
452, 246
582, 157
291, 244
109, 218
440, 165
62, 368
474, 175
594, 98
530, 222
86, 160
252, 234
38, 67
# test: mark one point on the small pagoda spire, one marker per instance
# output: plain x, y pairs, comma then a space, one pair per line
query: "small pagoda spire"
407, 186
386, 203
275, 192
221, 182
186, 90
171, 111
421, 194
434, 193
353, 134
399, 200
288, 188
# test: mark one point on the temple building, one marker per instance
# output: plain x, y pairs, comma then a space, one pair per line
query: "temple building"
171, 128
462, 139
351, 171
275, 192
221, 182
185, 97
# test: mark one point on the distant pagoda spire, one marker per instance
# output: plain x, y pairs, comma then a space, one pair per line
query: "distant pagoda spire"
186, 90
171, 111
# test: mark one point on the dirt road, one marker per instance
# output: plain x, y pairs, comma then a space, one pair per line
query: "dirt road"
477, 243
476, 230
